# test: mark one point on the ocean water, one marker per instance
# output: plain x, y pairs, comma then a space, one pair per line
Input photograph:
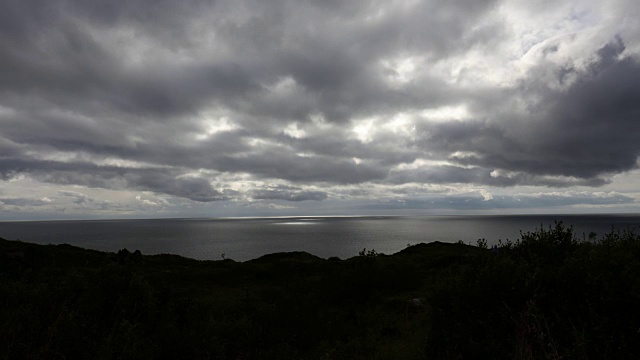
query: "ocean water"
245, 239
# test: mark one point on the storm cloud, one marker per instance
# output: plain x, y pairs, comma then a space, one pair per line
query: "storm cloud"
306, 101
585, 130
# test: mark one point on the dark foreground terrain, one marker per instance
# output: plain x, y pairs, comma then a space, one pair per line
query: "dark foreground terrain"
549, 295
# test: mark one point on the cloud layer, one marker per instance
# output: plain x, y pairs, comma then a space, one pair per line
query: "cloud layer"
288, 101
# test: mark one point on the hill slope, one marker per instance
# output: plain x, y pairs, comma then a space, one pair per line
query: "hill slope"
548, 296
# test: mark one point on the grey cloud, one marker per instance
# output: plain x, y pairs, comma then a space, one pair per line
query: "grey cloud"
104, 106
68, 64
443, 174
19, 17
280, 163
164, 13
162, 181
79, 72
169, 90
23, 202
84, 200
288, 195
466, 202
78, 197
334, 143
326, 62
586, 131
66, 86
194, 188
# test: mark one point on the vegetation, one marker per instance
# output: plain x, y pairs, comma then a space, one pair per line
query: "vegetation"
549, 295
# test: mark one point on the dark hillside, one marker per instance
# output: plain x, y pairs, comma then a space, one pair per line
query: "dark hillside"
549, 295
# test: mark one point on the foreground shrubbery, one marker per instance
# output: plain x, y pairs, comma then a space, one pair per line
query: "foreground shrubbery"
549, 295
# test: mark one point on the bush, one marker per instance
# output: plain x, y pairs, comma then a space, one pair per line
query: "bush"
549, 295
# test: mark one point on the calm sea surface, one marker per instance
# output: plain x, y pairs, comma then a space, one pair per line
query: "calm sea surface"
244, 239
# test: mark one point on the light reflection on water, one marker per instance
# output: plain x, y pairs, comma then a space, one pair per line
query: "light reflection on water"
244, 239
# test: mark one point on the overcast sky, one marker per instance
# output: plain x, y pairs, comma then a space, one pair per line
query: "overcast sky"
147, 108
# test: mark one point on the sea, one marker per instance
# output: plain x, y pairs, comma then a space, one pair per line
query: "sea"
243, 239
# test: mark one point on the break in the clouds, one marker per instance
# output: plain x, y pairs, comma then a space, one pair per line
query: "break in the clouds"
215, 107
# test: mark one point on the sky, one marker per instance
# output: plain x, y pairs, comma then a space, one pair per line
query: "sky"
216, 108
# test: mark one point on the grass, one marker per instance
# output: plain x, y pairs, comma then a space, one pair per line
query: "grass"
549, 295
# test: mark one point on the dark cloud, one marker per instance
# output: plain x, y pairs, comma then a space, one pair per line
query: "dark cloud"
585, 131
